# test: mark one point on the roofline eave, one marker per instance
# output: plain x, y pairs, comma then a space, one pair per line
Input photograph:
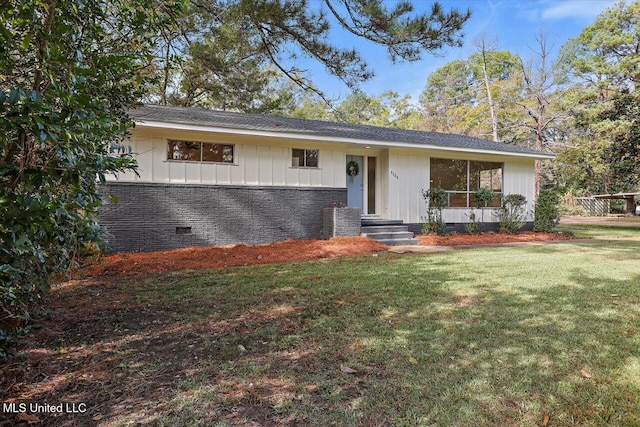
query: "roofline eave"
290, 135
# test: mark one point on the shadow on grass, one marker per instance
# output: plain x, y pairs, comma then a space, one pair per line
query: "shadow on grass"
463, 338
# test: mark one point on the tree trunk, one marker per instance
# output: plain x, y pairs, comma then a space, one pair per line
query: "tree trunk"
494, 120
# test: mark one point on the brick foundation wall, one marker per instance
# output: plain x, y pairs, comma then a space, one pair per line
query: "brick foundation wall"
157, 216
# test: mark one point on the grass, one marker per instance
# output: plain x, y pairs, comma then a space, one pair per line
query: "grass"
600, 231
495, 336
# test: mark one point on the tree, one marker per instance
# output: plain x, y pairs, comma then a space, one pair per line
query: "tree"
603, 61
622, 124
387, 110
543, 88
461, 96
69, 71
251, 33
483, 51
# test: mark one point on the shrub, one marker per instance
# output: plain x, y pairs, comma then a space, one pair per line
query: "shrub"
511, 214
474, 226
436, 199
482, 196
547, 212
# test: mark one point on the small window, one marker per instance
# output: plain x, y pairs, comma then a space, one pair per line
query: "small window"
302, 157
199, 151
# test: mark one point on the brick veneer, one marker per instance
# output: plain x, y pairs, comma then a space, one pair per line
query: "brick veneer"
148, 216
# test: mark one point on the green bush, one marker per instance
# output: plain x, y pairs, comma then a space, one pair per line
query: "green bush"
66, 89
547, 213
511, 214
436, 199
482, 196
474, 226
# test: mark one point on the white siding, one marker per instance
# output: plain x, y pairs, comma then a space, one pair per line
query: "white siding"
519, 179
402, 173
408, 176
407, 173
265, 163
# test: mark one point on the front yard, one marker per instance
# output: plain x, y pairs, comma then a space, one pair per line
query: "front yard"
530, 335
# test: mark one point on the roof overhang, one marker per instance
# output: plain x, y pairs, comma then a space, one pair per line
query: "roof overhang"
320, 138
617, 195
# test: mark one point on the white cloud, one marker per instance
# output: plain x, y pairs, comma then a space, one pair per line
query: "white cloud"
579, 9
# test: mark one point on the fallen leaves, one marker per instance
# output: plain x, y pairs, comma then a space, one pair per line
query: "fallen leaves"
347, 370
586, 374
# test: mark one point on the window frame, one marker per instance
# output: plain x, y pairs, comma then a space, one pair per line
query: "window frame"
468, 193
202, 148
305, 156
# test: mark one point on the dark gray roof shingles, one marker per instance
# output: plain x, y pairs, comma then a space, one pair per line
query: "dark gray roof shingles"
226, 119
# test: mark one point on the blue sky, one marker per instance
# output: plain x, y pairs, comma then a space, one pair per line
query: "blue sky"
511, 23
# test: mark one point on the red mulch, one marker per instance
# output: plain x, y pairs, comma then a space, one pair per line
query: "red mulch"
489, 238
135, 263
138, 263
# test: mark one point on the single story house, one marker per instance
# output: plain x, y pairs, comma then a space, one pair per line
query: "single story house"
210, 177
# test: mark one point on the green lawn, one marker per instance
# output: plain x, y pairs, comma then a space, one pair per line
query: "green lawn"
499, 336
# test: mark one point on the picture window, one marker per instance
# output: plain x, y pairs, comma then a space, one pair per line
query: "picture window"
200, 151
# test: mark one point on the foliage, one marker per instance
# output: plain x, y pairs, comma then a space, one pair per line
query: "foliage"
67, 78
482, 196
436, 199
221, 53
622, 124
511, 214
388, 110
603, 61
455, 99
547, 211
474, 225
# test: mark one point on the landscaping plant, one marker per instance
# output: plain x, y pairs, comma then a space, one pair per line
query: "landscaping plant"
482, 196
547, 213
436, 199
69, 71
511, 214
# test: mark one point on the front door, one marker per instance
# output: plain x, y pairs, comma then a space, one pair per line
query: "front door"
355, 184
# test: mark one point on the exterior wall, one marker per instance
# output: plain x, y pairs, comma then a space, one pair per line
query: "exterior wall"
261, 197
147, 215
408, 174
266, 163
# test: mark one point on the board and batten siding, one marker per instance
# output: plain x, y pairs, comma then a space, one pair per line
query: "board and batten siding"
408, 174
254, 164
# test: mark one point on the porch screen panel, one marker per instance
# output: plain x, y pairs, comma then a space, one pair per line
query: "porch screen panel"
451, 176
486, 175
461, 178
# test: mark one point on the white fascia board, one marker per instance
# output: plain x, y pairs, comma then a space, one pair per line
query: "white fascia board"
319, 138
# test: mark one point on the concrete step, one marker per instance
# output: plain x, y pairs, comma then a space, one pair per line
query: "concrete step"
383, 228
389, 235
389, 232
380, 222
398, 242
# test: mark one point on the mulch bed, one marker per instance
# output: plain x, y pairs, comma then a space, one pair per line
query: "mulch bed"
140, 263
137, 263
456, 239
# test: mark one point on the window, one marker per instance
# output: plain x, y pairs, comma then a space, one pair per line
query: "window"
303, 157
461, 178
199, 151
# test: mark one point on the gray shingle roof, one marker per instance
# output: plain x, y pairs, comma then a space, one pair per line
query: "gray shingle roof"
258, 122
